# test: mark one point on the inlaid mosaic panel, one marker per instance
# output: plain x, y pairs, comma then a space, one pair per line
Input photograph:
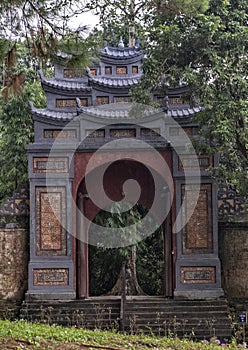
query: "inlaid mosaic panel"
60, 134
100, 133
202, 274
66, 103
51, 277
230, 203
135, 69
102, 100
108, 70
121, 70
50, 165
74, 73
84, 102
178, 131
187, 162
16, 205
122, 133
93, 71
178, 100
144, 132
120, 99
197, 235
50, 221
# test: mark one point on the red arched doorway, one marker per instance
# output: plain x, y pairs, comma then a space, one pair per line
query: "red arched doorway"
115, 176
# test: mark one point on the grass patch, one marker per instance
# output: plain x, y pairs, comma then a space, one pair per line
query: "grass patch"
22, 335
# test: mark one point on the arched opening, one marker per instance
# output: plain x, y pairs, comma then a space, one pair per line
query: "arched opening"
105, 263
98, 268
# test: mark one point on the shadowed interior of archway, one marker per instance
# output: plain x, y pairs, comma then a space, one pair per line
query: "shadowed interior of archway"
147, 259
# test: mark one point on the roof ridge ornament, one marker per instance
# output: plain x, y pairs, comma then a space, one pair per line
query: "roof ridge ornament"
121, 43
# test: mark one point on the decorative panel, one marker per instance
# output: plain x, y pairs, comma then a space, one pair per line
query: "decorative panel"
50, 165
17, 204
84, 102
119, 99
197, 235
100, 133
178, 100
71, 103
74, 73
108, 70
144, 132
122, 133
102, 100
121, 70
135, 69
178, 131
230, 203
50, 221
187, 162
199, 274
60, 133
66, 103
51, 277
93, 71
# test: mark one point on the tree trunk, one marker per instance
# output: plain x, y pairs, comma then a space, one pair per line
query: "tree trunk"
132, 284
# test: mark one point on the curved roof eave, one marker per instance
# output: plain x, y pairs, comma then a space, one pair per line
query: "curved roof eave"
64, 85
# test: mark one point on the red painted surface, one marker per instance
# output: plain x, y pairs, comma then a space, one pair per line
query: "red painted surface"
121, 167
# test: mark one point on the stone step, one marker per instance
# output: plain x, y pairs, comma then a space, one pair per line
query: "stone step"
203, 318
9, 310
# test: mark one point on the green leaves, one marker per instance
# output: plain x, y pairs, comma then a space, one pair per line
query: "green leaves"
209, 52
16, 131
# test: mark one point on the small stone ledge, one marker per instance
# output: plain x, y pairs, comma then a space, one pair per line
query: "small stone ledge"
199, 294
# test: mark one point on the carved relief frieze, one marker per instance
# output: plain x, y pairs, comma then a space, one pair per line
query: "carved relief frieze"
50, 165
199, 274
51, 277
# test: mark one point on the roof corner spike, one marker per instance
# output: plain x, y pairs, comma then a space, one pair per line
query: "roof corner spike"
121, 43
79, 106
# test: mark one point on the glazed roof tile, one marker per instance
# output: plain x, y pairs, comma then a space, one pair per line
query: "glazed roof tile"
121, 52
52, 114
118, 113
124, 112
126, 82
65, 84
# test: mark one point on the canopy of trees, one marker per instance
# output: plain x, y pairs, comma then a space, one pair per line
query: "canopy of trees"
202, 43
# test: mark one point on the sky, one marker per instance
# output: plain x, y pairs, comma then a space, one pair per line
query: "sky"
85, 19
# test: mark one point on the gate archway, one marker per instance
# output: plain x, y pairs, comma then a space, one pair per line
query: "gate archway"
147, 257
89, 257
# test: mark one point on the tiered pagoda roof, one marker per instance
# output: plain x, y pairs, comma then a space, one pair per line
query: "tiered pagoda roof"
75, 91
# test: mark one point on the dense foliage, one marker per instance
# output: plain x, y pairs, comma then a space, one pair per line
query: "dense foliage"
208, 52
202, 43
16, 128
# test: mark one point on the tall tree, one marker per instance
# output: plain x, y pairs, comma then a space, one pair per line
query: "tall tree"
209, 52
131, 18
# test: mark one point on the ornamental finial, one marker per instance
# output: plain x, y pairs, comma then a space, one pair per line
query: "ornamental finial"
121, 43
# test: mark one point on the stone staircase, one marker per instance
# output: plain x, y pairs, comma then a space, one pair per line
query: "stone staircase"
195, 319
9, 310
92, 313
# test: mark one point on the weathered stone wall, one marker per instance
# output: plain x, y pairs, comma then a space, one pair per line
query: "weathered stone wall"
233, 250
13, 263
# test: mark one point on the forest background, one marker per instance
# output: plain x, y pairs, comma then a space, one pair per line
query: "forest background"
202, 43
